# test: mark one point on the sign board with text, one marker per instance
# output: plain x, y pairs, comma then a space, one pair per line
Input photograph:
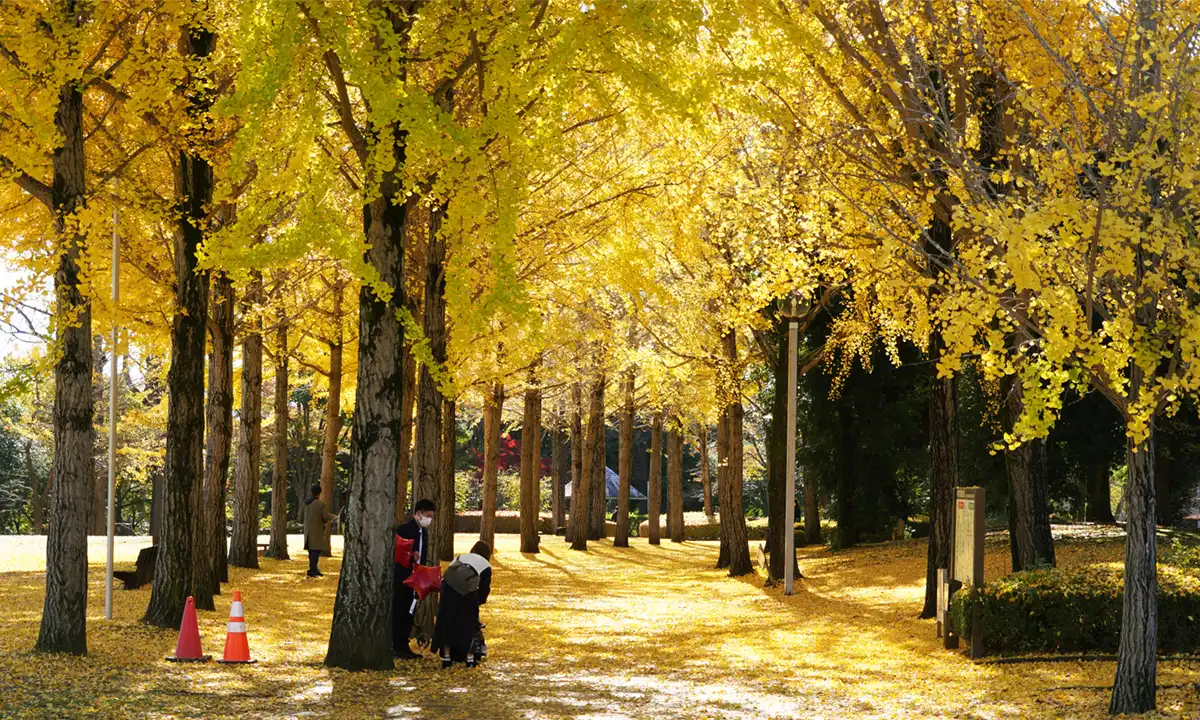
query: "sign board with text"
966, 564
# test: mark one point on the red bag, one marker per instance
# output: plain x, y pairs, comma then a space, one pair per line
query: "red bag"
402, 555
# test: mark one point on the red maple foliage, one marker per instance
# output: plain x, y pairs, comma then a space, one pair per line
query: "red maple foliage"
509, 456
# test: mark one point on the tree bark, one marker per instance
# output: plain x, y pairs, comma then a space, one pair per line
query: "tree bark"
943, 469
847, 475
654, 483
427, 480
37, 500
1032, 545
723, 485
599, 464
705, 474
559, 469
812, 514
361, 634
1099, 493
777, 457
64, 611
243, 544
625, 463
1137, 655
446, 503
577, 442
531, 470
732, 515
185, 409
210, 539
675, 483
581, 503
404, 452
493, 413
278, 548
333, 407
98, 513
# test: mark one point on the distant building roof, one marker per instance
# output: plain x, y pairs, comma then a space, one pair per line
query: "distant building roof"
612, 484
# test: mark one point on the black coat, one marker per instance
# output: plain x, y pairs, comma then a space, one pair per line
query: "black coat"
458, 616
420, 537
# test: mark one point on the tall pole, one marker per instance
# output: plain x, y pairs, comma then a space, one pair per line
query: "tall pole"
789, 508
112, 422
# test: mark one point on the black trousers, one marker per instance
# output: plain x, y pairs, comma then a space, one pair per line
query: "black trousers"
313, 557
402, 619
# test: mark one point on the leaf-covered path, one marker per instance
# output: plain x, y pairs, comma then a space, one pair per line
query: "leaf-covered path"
642, 632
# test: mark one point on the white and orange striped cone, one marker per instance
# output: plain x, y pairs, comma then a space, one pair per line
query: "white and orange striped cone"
237, 646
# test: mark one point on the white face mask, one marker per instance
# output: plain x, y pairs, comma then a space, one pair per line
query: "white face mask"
424, 521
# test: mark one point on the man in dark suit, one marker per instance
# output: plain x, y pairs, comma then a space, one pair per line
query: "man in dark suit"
403, 597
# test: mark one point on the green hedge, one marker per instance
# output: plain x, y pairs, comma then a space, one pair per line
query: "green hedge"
1075, 610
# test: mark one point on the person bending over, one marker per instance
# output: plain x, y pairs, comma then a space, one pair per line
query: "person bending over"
465, 586
403, 597
316, 530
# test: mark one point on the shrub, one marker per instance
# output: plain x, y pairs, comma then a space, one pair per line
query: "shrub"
1074, 610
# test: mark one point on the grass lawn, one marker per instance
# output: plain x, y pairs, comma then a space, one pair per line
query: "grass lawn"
643, 632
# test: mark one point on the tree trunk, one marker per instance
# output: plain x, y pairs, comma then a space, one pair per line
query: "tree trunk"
361, 635
1134, 686
37, 500
577, 442
1099, 493
64, 612
427, 481
210, 541
581, 496
812, 514
333, 408
599, 464
531, 470
777, 458
404, 452
654, 483
559, 469
1032, 545
98, 513
739, 543
427, 450
847, 475
733, 518
185, 409
1164, 472
243, 544
705, 474
446, 502
723, 485
625, 469
675, 483
278, 548
492, 416
943, 469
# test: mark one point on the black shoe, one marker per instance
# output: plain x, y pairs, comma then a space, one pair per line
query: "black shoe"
320, 574
310, 573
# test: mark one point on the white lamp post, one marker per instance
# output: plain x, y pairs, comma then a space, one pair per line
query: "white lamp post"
792, 310
112, 422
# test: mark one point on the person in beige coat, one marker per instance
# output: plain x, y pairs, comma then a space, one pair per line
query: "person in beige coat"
316, 530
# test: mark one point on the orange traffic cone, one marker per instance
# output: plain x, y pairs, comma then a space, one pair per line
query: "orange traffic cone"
237, 646
187, 649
